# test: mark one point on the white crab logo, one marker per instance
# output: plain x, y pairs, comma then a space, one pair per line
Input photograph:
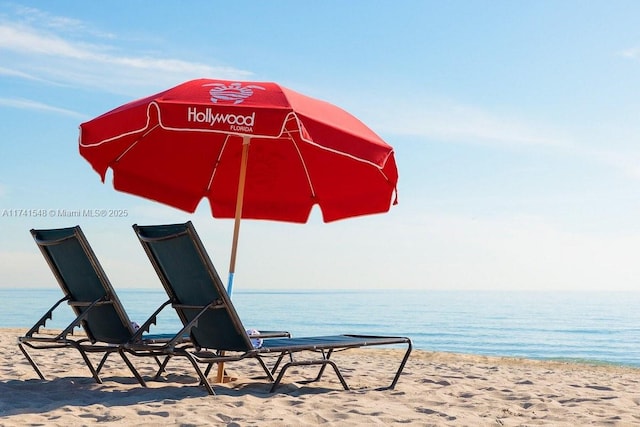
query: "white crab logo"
234, 92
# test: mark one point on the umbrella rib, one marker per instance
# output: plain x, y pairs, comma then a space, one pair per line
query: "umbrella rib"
124, 153
215, 167
333, 150
304, 165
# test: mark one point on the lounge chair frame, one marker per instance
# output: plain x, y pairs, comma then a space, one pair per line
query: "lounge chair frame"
93, 300
217, 333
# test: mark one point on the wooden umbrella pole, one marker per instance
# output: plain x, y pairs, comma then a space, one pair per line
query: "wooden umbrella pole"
239, 201
236, 230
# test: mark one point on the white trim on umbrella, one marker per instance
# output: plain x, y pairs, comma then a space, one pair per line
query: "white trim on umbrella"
283, 130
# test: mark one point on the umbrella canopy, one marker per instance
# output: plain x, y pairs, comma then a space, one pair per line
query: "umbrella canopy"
192, 141
186, 143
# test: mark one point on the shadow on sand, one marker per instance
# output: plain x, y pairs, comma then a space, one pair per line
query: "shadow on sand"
38, 396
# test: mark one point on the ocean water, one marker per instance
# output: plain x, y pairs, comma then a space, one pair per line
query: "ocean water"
596, 327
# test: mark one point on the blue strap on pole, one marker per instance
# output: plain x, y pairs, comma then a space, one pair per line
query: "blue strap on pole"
230, 284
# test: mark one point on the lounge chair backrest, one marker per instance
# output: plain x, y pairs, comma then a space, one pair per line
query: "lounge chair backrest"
192, 283
83, 281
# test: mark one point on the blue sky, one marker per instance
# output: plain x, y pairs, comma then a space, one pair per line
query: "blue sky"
515, 125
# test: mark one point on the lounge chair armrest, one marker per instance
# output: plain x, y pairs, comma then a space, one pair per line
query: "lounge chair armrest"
152, 320
271, 334
90, 304
76, 322
48, 315
212, 306
186, 330
180, 336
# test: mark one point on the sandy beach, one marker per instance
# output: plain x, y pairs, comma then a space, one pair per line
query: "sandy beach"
436, 389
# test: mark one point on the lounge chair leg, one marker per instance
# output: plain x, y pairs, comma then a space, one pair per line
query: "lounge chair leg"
162, 366
102, 362
324, 365
275, 366
265, 369
94, 373
31, 361
208, 370
203, 378
132, 368
322, 362
210, 367
338, 373
158, 362
400, 368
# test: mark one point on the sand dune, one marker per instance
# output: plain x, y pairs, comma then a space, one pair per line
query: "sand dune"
436, 389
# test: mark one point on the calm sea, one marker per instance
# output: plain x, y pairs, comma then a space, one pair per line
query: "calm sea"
597, 327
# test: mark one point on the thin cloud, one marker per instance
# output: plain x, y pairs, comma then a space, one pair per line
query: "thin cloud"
25, 76
631, 53
58, 23
449, 121
28, 41
42, 47
627, 161
15, 73
456, 122
25, 40
27, 104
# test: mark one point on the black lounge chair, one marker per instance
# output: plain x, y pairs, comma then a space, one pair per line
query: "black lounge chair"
217, 333
97, 308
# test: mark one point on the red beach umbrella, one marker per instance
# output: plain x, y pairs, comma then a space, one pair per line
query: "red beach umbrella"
254, 149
